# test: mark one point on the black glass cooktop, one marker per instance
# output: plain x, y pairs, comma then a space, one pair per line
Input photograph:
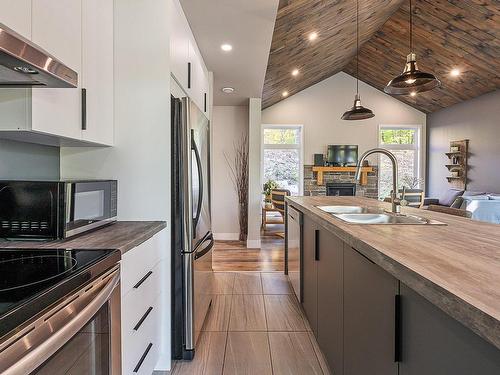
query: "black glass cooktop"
32, 279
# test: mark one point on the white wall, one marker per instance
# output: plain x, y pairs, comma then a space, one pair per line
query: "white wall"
254, 171
140, 159
229, 123
320, 107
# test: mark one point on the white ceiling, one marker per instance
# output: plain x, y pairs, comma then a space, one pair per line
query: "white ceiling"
246, 25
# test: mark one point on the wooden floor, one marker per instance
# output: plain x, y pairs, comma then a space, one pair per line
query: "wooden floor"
255, 326
234, 255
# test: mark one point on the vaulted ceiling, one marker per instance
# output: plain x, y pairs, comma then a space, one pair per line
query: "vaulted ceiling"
448, 34
335, 23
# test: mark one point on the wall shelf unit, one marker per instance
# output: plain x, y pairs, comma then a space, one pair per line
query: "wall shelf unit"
458, 154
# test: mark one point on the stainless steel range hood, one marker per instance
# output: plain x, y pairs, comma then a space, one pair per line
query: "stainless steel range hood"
24, 64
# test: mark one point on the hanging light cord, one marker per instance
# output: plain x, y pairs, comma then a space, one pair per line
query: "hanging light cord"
357, 47
411, 29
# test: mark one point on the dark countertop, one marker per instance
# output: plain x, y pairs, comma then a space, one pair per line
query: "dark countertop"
122, 235
456, 267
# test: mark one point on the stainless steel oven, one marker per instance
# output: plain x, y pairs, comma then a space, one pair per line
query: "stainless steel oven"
78, 334
55, 209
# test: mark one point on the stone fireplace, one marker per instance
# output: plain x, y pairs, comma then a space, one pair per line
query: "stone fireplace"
340, 189
340, 182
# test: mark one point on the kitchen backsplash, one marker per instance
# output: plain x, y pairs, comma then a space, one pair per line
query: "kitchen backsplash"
19, 160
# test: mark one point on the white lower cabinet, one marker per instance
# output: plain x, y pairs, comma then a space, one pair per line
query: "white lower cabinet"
143, 281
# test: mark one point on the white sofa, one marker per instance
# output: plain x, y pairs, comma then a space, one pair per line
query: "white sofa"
483, 208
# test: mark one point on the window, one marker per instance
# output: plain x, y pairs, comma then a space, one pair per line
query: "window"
282, 156
405, 143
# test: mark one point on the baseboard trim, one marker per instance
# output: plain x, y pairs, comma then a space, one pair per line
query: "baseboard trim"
226, 236
253, 244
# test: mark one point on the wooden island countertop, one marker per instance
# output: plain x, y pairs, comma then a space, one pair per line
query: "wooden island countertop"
455, 266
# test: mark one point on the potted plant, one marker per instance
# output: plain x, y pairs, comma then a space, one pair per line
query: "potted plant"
269, 186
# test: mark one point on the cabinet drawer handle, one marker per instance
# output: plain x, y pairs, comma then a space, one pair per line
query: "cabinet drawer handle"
139, 323
397, 328
144, 278
316, 244
143, 357
84, 109
189, 75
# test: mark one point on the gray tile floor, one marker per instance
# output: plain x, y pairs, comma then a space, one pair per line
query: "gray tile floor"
255, 326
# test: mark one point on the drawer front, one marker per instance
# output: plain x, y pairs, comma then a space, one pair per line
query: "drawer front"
141, 259
138, 300
135, 343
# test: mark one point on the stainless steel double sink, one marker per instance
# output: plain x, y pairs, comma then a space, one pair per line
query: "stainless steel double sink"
366, 215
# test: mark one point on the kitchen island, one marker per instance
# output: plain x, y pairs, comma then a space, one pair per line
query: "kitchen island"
407, 299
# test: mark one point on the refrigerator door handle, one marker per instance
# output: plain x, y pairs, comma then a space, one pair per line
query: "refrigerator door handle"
200, 253
186, 195
200, 181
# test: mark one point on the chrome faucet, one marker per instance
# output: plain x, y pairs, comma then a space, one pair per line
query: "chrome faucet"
395, 201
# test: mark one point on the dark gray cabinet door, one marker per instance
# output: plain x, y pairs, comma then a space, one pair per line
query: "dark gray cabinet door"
309, 273
369, 317
330, 297
433, 343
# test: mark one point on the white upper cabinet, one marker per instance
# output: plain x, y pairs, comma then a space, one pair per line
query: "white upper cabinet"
97, 73
179, 44
16, 15
80, 34
187, 65
57, 28
198, 89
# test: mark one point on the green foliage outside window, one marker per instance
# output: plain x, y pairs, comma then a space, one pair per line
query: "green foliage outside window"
397, 136
281, 136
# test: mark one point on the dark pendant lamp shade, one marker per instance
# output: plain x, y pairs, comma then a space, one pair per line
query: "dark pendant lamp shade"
411, 80
357, 112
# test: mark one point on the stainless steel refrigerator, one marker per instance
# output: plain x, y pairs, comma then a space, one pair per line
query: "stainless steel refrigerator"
192, 239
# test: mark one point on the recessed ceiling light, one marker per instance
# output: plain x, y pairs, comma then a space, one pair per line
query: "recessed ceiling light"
228, 90
313, 36
226, 47
455, 72
413, 93
284, 94
295, 72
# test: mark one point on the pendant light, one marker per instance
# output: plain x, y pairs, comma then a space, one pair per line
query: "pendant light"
411, 80
357, 112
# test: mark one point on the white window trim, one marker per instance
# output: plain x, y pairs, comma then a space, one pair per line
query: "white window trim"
299, 147
419, 146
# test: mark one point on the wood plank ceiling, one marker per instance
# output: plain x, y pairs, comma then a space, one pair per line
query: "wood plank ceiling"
335, 46
448, 34
457, 34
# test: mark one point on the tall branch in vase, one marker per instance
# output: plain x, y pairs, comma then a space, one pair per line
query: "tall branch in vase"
238, 166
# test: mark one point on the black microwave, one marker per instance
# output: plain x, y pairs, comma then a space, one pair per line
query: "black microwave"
55, 209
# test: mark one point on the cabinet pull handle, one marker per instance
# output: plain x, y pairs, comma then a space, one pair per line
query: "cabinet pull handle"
316, 244
189, 75
397, 328
139, 323
84, 109
139, 283
143, 357
204, 102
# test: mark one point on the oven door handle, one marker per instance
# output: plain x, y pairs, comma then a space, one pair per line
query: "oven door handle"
38, 355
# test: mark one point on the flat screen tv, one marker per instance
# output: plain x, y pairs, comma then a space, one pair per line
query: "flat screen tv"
342, 155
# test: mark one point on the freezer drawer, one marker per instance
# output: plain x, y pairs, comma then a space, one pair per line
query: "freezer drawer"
294, 243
